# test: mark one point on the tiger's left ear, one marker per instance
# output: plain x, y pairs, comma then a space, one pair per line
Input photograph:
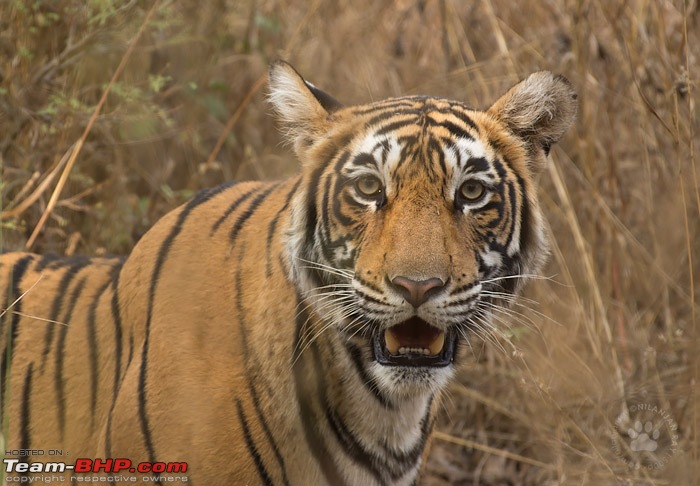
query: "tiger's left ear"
302, 108
539, 110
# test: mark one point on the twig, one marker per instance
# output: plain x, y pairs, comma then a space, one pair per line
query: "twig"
25, 188
29, 316
41, 188
9, 307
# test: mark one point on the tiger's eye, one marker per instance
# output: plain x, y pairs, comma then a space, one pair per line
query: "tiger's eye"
472, 190
369, 186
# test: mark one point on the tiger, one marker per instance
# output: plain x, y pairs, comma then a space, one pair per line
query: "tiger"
291, 332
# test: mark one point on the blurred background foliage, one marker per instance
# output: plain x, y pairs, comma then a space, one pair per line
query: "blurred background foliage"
617, 321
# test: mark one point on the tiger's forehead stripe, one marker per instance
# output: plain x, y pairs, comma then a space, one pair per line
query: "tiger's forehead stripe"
425, 132
424, 111
436, 156
445, 146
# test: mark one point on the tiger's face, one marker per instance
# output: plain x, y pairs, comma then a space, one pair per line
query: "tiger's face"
423, 222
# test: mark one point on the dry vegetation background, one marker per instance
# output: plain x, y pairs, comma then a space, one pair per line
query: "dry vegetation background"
616, 325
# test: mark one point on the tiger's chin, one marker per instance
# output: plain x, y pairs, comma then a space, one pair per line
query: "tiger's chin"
413, 357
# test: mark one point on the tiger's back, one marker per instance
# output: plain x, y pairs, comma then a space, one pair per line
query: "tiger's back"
292, 332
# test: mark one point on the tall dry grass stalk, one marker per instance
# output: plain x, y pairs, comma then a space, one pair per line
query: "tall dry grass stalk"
615, 326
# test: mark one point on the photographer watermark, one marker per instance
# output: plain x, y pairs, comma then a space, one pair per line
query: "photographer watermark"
644, 435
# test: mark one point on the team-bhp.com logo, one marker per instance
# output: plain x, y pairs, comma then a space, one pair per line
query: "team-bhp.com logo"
645, 436
84, 466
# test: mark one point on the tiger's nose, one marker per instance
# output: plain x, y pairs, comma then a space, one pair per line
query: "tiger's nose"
417, 292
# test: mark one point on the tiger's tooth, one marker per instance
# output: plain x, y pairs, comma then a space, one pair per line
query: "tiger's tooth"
437, 345
392, 344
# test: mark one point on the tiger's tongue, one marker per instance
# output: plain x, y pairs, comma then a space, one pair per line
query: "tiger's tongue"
414, 334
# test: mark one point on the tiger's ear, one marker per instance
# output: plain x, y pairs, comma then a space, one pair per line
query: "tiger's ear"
302, 108
539, 110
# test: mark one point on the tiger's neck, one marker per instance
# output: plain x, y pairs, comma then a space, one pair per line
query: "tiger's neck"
353, 429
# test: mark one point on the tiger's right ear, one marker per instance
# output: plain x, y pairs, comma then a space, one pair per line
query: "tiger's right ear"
302, 107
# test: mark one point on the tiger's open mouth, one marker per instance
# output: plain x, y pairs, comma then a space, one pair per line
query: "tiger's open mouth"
413, 343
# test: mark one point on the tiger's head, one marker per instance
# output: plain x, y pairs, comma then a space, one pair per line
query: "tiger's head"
420, 216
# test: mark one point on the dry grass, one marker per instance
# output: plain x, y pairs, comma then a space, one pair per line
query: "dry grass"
617, 324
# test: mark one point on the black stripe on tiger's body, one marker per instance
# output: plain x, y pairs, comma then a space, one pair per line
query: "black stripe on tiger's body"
59, 380
299, 331
92, 342
230, 210
11, 309
263, 476
25, 420
116, 319
273, 226
249, 212
70, 272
